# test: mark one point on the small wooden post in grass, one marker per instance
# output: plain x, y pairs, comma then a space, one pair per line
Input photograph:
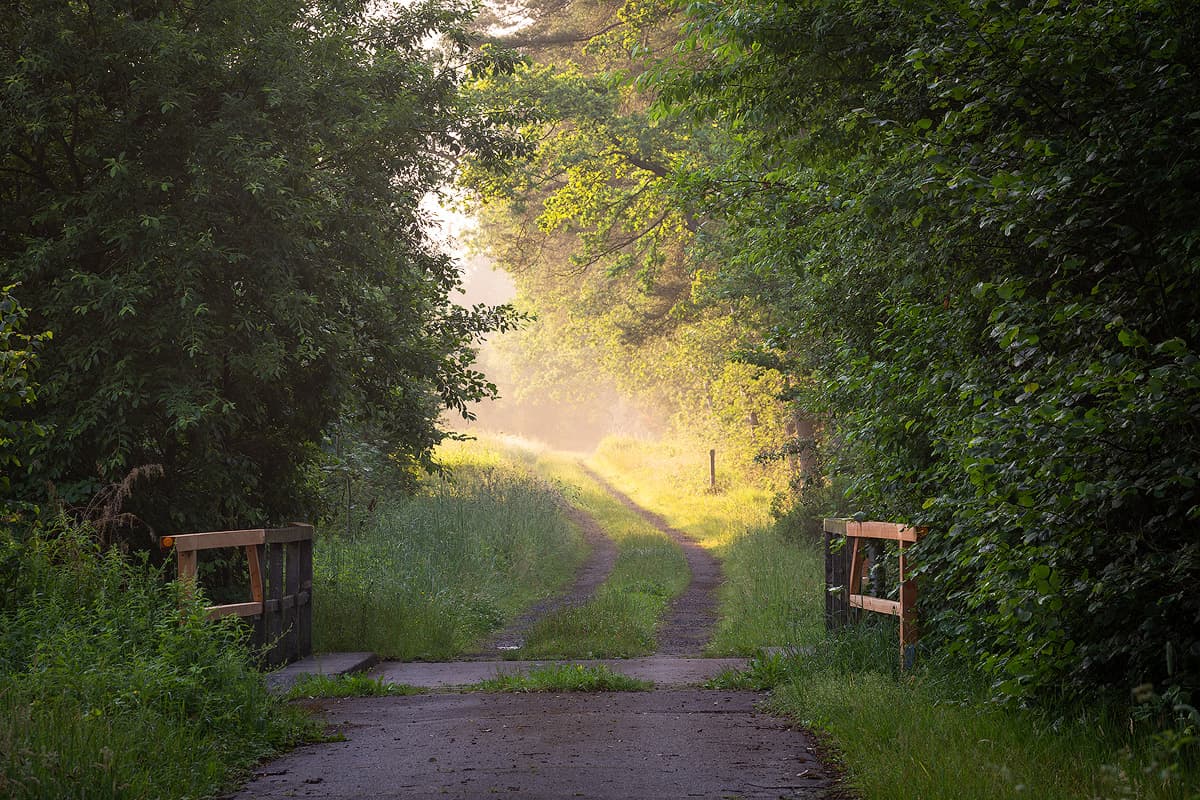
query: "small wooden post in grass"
712, 470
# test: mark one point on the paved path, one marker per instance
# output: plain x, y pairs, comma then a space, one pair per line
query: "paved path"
679, 741
622, 746
664, 671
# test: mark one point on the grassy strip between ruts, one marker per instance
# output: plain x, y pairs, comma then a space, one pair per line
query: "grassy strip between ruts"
430, 575
563, 678
620, 620
930, 734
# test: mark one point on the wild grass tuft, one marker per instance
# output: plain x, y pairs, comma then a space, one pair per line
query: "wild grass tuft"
564, 678
354, 684
432, 574
765, 671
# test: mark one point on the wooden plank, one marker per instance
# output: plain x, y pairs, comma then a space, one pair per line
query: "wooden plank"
837, 609
274, 591
235, 609
296, 533
187, 565
190, 542
837, 526
868, 603
854, 586
291, 582
892, 531
256, 578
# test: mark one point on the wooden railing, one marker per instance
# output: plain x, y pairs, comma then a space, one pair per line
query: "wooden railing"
847, 564
280, 566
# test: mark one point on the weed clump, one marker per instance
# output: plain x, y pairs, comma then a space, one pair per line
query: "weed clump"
565, 678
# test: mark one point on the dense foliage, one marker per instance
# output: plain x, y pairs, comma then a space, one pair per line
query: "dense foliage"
214, 207
973, 224
963, 235
18, 359
598, 244
113, 684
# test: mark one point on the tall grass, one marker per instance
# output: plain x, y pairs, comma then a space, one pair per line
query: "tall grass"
772, 594
649, 571
432, 574
113, 685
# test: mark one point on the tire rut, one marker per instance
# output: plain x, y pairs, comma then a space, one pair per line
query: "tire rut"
594, 572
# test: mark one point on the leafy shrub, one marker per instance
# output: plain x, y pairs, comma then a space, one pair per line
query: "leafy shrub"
973, 227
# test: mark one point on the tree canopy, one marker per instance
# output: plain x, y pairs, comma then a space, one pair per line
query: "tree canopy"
964, 236
214, 207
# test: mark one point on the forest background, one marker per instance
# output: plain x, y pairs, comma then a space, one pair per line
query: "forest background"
943, 255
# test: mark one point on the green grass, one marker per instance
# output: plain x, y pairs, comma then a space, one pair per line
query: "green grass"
650, 569
354, 684
934, 734
431, 575
765, 671
114, 685
564, 678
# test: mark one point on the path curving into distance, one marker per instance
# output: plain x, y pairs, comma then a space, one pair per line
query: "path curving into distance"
689, 623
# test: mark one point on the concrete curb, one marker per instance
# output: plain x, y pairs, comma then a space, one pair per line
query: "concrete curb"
283, 678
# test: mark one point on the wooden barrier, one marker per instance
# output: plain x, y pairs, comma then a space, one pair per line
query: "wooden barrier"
280, 566
845, 570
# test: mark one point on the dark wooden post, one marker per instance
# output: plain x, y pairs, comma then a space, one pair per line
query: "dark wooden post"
291, 594
837, 575
712, 470
908, 613
273, 607
304, 618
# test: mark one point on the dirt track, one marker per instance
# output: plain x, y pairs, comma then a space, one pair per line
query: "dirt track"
689, 624
668, 743
593, 572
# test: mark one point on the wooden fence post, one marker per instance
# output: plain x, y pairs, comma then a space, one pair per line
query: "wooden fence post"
837, 576
908, 613
273, 607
